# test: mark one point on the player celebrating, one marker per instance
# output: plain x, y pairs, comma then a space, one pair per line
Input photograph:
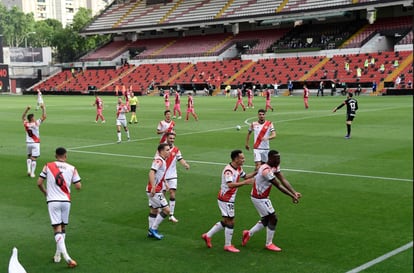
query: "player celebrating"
177, 105
171, 174
121, 110
239, 100
190, 108
99, 108
165, 126
268, 174
31, 127
263, 132
59, 176
230, 181
155, 193
351, 108
39, 99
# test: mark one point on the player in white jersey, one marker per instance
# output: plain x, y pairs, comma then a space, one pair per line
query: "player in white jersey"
155, 192
39, 99
121, 110
230, 181
268, 175
165, 126
59, 176
171, 177
31, 127
263, 132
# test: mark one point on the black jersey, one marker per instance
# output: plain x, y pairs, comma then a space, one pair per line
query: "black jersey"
351, 106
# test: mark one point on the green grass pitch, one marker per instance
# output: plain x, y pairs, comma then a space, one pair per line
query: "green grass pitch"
357, 200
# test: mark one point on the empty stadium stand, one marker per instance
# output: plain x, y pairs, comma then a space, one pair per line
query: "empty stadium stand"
192, 42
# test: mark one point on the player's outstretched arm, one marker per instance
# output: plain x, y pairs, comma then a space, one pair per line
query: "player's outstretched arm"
25, 113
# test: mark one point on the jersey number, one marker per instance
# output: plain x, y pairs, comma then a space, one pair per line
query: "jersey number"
60, 181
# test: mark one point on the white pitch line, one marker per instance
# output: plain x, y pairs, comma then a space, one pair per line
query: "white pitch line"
351, 175
381, 258
249, 166
150, 138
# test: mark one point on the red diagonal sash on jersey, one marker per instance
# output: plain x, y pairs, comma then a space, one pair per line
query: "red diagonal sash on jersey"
170, 159
30, 133
261, 134
158, 187
59, 179
227, 195
169, 129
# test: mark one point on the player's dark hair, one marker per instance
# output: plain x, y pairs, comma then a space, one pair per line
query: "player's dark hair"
234, 154
60, 151
162, 146
169, 134
350, 94
29, 117
261, 111
166, 111
272, 153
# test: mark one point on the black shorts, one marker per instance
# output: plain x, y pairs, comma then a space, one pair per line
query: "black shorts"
350, 117
133, 108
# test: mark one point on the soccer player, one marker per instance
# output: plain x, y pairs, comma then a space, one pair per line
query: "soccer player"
59, 176
154, 189
306, 96
171, 177
230, 182
190, 108
32, 128
250, 95
167, 99
99, 108
165, 126
239, 100
268, 175
177, 105
134, 103
121, 110
263, 132
39, 99
351, 108
268, 95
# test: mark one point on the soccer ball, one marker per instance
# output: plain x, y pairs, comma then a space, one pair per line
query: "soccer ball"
238, 127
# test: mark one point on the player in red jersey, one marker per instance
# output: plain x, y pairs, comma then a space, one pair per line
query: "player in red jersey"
268, 175
190, 108
99, 108
268, 95
177, 105
239, 100
230, 182
250, 95
306, 96
31, 127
